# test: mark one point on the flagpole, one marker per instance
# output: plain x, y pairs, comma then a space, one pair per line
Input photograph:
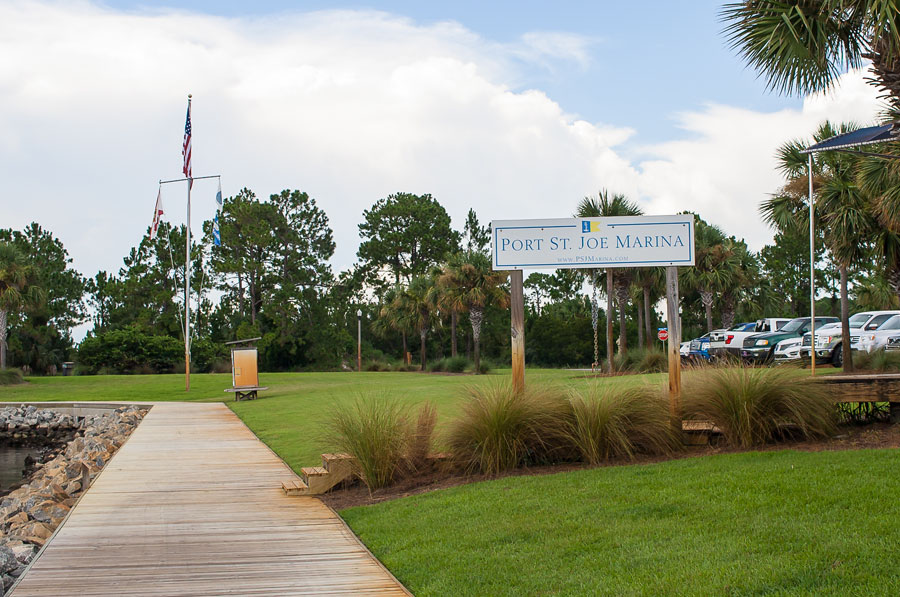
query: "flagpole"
187, 284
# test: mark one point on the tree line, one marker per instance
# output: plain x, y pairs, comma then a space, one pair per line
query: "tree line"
426, 290
416, 276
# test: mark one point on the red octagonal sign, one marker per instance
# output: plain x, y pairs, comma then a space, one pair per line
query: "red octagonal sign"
663, 334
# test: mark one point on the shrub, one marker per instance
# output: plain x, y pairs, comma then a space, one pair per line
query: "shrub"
609, 422
641, 360
653, 361
752, 406
499, 429
376, 432
9, 377
877, 360
483, 370
220, 366
377, 366
560, 335
627, 361
206, 355
458, 364
130, 350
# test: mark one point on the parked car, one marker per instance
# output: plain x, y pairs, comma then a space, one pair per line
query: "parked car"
734, 340
699, 348
788, 350
881, 338
760, 348
719, 340
685, 349
828, 339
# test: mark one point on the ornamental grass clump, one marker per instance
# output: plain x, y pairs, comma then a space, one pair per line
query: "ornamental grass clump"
653, 361
753, 406
422, 438
880, 360
499, 429
378, 433
609, 422
10, 377
628, 361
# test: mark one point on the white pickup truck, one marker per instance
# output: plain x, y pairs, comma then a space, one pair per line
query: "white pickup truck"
730, 342
828, 338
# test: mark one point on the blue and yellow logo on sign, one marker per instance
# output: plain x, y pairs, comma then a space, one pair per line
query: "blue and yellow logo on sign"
587, 226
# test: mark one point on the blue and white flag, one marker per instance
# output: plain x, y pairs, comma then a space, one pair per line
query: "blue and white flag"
217, 239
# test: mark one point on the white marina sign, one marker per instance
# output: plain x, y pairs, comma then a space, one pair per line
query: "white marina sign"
634, 241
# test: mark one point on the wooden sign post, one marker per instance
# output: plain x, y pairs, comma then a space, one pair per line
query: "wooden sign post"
590, 244
674, 334
517, 329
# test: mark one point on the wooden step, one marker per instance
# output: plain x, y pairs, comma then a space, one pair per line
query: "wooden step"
313, 471
295, 487
331, 460
693, 426
698, 433
317, 478
339, 465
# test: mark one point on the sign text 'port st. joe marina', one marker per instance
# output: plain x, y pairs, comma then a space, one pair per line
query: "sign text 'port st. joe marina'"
638, 241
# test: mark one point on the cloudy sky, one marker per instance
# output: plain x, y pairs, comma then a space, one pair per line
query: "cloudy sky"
518, 109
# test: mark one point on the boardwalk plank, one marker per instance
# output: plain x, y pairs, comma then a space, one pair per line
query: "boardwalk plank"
192, 505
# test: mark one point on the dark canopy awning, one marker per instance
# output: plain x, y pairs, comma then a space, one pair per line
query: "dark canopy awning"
866, 136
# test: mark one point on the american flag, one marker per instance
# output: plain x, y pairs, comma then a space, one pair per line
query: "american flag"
186, 148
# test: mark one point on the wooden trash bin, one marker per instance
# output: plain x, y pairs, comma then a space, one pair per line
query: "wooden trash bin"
244, 370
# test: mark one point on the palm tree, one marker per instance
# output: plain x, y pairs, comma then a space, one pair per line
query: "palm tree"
390, 318
445, 303
875, 293
605, 206
846, 212
652, 282
713, 271
744, 275
880, 180
416, 308
469, 285
634, 293
17, 290
803, 46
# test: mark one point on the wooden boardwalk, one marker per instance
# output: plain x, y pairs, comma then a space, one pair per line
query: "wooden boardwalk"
192, 505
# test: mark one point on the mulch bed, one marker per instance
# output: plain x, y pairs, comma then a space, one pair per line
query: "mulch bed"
849, 437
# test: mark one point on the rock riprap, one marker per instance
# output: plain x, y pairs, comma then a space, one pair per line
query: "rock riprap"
35, 426
30, 514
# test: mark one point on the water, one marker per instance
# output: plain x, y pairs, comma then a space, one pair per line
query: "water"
12, 461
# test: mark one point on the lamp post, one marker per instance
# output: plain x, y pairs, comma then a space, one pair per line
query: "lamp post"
359, 339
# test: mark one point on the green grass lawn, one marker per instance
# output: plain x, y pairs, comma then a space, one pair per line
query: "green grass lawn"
771, 523
289, 416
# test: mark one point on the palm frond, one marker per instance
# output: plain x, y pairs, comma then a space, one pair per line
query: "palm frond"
800, 46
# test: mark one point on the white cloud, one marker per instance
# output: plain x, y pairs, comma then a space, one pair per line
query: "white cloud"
347, 105
727, 165
558, 45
